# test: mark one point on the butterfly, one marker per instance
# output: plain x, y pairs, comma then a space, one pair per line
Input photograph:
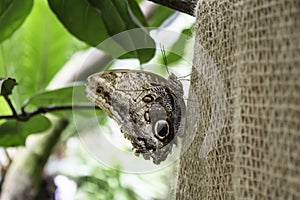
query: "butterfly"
148, 108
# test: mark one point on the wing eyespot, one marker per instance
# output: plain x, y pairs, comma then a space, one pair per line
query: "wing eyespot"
161, 129
148, 98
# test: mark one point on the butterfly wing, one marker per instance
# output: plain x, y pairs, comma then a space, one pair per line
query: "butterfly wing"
145, 105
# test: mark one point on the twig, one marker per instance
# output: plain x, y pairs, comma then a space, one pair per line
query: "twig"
186, 6
10, 105
24, 116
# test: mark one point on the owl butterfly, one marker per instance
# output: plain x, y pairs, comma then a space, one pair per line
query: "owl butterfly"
149, 108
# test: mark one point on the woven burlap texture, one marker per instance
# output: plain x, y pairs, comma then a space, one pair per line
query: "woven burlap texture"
254, 48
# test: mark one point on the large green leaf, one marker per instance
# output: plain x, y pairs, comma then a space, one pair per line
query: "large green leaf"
36, 52
137, 13
49, 98
67, 97
81, 19
14, 133
12, 15
95, 21
120, 15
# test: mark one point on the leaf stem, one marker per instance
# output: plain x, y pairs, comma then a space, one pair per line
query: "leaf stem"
10, 105
24, 116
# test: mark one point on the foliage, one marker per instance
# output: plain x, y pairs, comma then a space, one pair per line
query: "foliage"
12, 15
13, 132
94, 21
42, 45
37, 39
36, 52
107, 183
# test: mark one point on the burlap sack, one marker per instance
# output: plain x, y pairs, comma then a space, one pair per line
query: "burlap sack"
252, 48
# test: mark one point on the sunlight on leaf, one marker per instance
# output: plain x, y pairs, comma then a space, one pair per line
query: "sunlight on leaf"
4, 109
36, 52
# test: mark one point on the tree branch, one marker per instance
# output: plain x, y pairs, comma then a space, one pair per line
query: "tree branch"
24, 116
185, 6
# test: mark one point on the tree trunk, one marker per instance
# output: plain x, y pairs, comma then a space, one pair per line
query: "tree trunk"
247, 119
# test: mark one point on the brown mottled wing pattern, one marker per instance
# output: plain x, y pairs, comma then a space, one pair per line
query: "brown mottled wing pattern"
149, 108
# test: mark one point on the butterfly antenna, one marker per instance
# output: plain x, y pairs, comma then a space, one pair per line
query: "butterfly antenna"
184, 78
163, 52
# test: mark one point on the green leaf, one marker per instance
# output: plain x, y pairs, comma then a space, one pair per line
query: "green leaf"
14, 133
7, 85
12, 15
81, 19
59, 97
73, 95
95, 21
160, 14
123, 15
36, 52
120, 15
111, 16
4, 109
137, 13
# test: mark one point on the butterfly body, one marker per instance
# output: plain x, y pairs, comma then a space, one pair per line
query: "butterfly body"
149, 108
